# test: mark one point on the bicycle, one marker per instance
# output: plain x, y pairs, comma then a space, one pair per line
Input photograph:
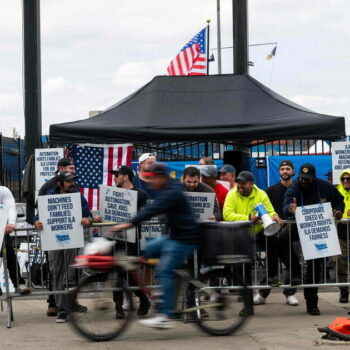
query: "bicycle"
214, 308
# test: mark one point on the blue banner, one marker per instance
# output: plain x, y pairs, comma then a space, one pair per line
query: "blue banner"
176, 168
322, 163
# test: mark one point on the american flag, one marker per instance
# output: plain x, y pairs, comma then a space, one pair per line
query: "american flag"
92, 165
192, 59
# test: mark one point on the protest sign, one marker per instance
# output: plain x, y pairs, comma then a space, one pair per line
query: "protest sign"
4, 215
61, 216
317, 231
156, 228
46, 164
119, 205
201, 203
340, 159
150, 231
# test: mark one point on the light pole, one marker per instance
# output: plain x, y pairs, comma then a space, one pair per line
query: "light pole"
218, 34
32, 83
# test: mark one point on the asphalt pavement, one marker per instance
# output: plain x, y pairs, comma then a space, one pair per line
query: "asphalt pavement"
275, 325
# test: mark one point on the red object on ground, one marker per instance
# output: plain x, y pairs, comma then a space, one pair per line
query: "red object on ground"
341, 325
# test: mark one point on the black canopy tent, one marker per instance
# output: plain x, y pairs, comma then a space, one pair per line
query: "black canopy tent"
214, 108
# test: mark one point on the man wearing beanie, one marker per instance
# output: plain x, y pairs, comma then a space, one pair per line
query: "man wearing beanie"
307, 190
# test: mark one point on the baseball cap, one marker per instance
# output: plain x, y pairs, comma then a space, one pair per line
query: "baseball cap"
65, 176
286, 162
155, 169
146, 156
209, 171
123, 170
64, 162
227, 168
245, 176
307, 171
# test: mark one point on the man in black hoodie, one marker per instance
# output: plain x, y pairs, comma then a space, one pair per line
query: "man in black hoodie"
307, 190
172, 249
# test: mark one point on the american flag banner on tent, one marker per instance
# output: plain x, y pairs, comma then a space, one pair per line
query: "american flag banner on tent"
192, 59
93, 163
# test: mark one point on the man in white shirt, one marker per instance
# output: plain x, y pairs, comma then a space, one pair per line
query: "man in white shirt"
6, 198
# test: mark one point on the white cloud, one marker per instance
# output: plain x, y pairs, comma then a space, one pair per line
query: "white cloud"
134, 74
54, 86
338, 106
96, 52
10, 102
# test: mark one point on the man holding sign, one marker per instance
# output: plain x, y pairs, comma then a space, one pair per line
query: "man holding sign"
306, 191
191, 177
123, 178
59, 260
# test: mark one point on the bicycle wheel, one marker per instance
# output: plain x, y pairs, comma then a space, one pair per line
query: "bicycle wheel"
99, 323
220, 313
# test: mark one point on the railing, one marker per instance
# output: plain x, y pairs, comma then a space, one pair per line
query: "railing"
325, 272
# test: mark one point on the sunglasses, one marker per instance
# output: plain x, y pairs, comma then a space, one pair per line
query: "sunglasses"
343, 179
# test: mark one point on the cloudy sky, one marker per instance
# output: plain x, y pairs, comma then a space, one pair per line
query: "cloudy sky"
96, 52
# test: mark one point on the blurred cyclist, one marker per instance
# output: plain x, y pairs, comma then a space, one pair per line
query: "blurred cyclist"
172, 249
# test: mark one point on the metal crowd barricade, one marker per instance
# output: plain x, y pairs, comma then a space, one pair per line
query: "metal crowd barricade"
26, 244
329, 275
259, 266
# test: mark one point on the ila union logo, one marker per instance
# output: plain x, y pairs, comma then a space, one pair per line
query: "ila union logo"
62, 239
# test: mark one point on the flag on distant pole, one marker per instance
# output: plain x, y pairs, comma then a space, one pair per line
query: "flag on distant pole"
192, 59
272, 53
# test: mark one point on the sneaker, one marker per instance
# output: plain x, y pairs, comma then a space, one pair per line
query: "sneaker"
259, 300
23, 289
160, 321
119, 313
126, 305
292, 300
246, 311
62, 318
274, 282
143, 308
344, 296
313, 311
79, 308
51, 310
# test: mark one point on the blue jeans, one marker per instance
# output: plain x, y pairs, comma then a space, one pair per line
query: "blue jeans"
172, 255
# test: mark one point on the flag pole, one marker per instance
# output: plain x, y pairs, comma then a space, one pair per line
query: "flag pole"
208, 21
219, 34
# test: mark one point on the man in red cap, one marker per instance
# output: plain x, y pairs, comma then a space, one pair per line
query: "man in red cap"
172, 249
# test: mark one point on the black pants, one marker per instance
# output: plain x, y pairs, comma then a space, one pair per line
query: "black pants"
313, 269
12, 262
273, 251
131, 249
51, 298
243, 275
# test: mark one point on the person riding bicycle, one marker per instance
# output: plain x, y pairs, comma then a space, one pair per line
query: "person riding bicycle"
172, 249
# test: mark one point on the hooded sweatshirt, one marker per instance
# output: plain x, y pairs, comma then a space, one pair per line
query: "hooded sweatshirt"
238, 207
342, 227
345, 194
